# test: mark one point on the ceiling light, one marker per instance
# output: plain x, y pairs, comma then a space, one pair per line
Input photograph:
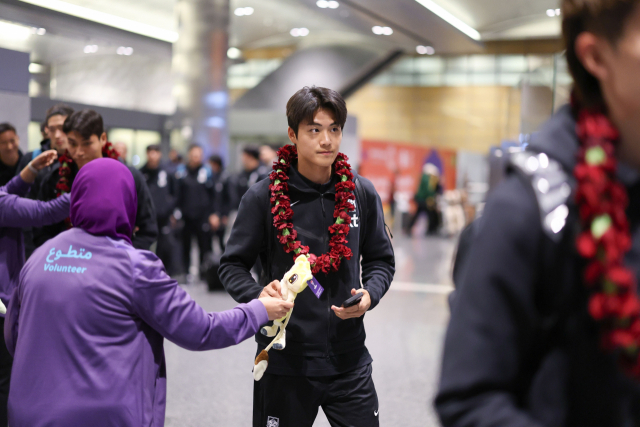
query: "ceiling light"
551, 13
128, 51
91, 48
107, 19
378, 30
38, 31
323, 4
558, 12
234, 53
13, 31
299, 32
36, 68
425, 50
333, 4
243, 11
451, 19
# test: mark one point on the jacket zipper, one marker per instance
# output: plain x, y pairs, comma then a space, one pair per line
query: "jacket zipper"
325, 240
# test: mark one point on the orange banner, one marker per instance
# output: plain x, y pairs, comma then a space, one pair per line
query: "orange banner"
397, 168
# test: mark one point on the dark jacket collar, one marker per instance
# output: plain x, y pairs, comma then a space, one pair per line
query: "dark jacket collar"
559, 140
304, 185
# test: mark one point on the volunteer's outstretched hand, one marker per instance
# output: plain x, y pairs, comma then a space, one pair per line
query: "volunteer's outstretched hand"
277, 308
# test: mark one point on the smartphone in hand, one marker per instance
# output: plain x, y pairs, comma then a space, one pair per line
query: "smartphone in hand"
352, 301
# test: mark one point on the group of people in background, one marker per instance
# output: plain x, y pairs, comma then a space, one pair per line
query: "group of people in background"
179, 202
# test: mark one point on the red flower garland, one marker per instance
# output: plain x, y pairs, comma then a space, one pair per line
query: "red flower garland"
64, 172
282, 212
605, 239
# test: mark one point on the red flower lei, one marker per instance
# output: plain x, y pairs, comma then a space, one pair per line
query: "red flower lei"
282, 212
64, 172
605, 239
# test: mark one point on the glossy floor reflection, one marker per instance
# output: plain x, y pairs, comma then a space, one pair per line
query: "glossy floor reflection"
404, 335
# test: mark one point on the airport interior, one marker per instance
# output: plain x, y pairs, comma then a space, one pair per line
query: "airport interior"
439, 95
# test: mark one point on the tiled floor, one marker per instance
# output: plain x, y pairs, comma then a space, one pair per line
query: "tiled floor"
404, 336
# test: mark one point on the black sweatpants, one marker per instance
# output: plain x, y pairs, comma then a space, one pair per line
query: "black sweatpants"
348, 400
6, 362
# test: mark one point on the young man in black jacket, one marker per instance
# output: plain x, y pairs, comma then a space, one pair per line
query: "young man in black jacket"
544, 328
325, 362
87, 141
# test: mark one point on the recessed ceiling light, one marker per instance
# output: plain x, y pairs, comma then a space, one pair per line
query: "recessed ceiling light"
333, 4
553, 12
558, 12
39, 31
122, 50
234, 53
299, 32
243, 11
323, 4
91, 48
425, 50
378, 30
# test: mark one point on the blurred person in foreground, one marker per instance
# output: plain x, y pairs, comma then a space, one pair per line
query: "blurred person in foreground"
87, 321
162, 187
545, 326
17, 212
87, 141
122, 150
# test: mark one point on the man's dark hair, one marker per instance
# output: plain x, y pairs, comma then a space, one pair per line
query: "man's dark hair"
153, 147
58, 110
605, 18
193, 146
84, 122
214, 158
6, 127
252, 151
307, 101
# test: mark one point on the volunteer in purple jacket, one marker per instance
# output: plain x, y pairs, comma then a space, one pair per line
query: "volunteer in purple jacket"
15, 213
87, 320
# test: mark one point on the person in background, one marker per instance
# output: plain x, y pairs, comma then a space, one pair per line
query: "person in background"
220, 218
162, 187
87, 141
10, 153
252, 171
427, 199
122, 150
17, 212
545, 326
55, 139
268, 155
196, 201
87, 330
174, 162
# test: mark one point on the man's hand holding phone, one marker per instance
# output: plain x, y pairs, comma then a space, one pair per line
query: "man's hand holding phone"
356, 310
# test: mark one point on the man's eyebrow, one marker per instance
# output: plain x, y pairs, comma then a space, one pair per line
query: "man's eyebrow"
318, 124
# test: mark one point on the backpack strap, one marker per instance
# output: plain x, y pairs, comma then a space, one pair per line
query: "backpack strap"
361, 200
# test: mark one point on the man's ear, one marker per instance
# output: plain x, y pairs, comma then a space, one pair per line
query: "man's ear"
292, 136
103, 139
590, 50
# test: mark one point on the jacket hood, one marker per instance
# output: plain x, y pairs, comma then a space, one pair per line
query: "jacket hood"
104, 201
558, 138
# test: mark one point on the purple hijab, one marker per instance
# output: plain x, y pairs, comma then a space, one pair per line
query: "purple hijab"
104, 201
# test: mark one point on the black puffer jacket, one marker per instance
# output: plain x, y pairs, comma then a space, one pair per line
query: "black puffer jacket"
314, 330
